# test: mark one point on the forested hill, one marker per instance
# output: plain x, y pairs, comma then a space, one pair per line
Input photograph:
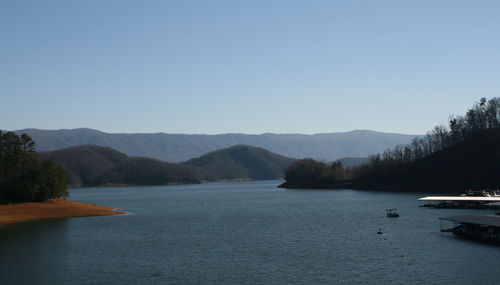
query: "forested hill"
471, 164
464, 156
182, 147
240, 162
92, 165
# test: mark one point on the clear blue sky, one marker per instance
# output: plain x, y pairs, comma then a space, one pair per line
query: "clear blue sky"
245, 66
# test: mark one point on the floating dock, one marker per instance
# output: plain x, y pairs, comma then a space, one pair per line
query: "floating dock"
474, 202
475, 227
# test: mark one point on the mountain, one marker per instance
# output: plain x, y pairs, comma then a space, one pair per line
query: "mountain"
473, 163
240, 162
464, 155
91, 165
182, 147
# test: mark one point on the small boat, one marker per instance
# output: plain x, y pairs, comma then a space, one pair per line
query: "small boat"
379, 232
392, 213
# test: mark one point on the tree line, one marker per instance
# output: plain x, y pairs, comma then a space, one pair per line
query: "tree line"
396, 166
24, 177
483, 115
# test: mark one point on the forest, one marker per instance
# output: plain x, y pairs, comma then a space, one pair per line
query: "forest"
91, 165
239, 162
30, 176
24, 177
465, 154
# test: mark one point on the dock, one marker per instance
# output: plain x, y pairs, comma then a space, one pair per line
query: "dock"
475, 227
472, 202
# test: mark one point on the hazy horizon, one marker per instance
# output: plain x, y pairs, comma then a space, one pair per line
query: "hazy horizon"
210, 134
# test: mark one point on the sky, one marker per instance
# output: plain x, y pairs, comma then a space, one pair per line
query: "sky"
252, 67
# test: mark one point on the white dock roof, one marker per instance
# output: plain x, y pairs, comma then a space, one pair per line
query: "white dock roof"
460, 198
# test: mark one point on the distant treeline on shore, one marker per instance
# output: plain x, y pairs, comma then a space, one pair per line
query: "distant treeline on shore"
465, 155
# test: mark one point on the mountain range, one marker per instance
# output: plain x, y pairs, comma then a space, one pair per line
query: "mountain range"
182, 147
91, 165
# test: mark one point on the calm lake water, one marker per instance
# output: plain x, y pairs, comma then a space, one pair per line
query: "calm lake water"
244, 233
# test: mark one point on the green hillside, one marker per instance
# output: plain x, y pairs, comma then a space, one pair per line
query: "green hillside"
471, 164
92, 165
464, 156
240, 162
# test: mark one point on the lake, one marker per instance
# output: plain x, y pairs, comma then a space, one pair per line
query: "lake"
245, 233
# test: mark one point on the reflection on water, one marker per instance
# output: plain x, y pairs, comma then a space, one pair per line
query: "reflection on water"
29, 246
249, 233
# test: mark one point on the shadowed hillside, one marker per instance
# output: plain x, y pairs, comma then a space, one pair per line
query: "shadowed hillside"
240, 162
85, 164
471, 164
465, 156
92, 165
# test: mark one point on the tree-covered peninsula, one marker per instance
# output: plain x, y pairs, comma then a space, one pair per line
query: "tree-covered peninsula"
24, 177
464, 155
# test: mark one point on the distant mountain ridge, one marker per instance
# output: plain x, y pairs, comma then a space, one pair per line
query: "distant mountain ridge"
182, 147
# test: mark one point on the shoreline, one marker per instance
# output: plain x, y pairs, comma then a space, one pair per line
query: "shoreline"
53, 208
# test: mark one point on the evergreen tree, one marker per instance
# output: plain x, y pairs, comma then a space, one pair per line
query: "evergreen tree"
23, 176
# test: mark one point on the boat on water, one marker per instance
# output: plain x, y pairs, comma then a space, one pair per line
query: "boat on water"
392, 213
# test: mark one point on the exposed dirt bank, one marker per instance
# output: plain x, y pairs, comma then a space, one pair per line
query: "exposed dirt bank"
54, 208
